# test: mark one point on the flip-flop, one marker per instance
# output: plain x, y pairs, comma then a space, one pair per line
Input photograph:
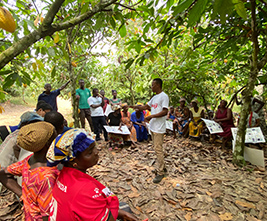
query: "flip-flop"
110, 148
116, 148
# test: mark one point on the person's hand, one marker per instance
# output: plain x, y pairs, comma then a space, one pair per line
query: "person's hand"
78, 97
148, 118
125, 216
120, 129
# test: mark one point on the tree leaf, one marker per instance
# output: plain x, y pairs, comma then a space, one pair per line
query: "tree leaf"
53, 71
56, 38
122, 30
181, 7
222, 7
240, 8
5, 72
196, 12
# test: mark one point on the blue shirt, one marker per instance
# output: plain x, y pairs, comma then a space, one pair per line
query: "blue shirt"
50, 98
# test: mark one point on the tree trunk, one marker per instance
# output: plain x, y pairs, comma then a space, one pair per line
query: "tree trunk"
241, 132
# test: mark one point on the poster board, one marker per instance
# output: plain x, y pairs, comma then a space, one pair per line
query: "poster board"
213, 126
253, 135
115, 130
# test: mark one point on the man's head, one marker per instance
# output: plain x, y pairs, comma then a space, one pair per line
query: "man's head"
56, 119
171, 109
81, 83
43, 108
156, 85
47, 88
95, 92
102, 92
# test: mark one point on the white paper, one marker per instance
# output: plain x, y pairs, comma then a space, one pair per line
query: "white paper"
213, 126
115, 130
169, 125
254, 156
108, 110
253, 135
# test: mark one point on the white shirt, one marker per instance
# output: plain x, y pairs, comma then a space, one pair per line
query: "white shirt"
95, 112
157, 103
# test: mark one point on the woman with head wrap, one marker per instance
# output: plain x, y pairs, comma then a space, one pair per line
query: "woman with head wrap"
78, 196
126, 119
137, 117
37, 179
196, 124
114, 119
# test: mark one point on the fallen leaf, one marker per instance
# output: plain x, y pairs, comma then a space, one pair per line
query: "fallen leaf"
226, 216
245, 204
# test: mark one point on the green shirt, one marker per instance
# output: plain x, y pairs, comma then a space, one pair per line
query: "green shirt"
84, 95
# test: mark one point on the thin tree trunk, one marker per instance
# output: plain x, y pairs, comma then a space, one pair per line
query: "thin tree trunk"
240, 139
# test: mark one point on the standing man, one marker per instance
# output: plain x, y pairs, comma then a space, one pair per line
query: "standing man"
96, 103
106, 100
82, 95
159, 109
49, 96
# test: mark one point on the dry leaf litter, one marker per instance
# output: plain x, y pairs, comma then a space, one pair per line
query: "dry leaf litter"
202, 184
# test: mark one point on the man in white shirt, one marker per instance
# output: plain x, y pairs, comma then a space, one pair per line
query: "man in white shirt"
96, 103
159, 109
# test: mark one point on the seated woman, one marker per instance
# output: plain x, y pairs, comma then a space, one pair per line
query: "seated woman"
114, 119
181, 123
171, 114
126, 120
77, 195
224, 117
196, 124
114, 100
37, 179
137, 117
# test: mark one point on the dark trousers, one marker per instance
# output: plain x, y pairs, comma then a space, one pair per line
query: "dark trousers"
99, 123
86, 113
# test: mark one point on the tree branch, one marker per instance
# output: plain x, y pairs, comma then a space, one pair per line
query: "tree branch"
24, 43
49, 18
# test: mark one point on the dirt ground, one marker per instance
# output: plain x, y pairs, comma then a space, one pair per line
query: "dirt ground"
12, 113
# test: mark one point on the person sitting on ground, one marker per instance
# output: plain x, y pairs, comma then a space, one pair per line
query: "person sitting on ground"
78, 196
137, 117
114, 100
196, 124
9, 151
38, 179
43, 108
182, 123
224, 117
114, 119
181, 107
126, 120
171, 114
253, 119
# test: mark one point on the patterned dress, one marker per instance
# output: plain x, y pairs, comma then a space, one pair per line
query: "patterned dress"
37, 185
127, 121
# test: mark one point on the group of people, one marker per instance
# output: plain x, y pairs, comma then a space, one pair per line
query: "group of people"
53, 159
188, 122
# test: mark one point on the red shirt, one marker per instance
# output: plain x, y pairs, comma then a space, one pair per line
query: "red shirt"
78, 196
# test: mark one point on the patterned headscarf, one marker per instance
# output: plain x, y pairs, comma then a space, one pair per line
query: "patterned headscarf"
66, 146
139, 104
33, 137
115, 107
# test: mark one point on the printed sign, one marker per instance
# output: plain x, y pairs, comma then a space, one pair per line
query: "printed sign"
213, 126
